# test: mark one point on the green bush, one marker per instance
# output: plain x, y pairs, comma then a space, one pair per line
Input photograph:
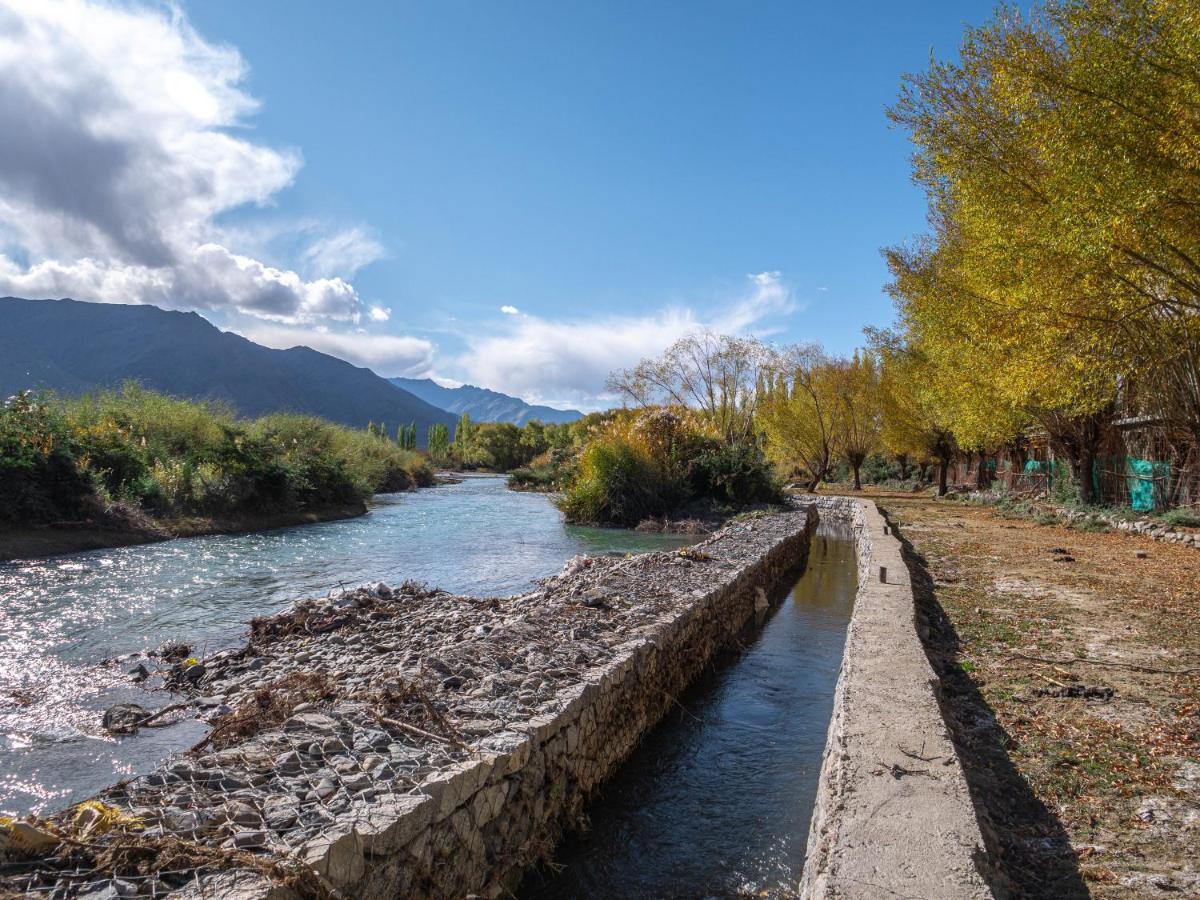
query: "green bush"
62, 459
735, 474
1182, 517
661, 462
619, 484
40, 478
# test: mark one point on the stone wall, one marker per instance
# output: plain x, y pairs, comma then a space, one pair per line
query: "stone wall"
893, 815
476, 827
383, 808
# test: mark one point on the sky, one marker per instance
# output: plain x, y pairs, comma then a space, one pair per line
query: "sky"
523, 196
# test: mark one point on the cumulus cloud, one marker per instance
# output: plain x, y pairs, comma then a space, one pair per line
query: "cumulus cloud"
510, 310
385, 354
567, 362
119, 152
379, 314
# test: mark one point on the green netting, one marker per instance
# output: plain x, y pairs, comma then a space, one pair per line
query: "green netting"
1142, 475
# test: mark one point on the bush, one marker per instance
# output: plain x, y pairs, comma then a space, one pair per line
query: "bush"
1182, 517
40, 477
734, 474
619, 484
652, 463
62, 459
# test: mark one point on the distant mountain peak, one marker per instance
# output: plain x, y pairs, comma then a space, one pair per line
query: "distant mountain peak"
73, 347
483, 404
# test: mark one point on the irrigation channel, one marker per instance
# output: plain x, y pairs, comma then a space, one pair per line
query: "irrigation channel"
717, 801
72, 627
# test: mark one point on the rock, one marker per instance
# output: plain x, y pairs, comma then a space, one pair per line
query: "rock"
249, 840
289, 763
312, 723
194, 672
1140, 554
139, 673
123, 718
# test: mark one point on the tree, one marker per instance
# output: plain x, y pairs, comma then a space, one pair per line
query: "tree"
437, 440
911, 423
856, 421
463, 434
718, 375
797, 411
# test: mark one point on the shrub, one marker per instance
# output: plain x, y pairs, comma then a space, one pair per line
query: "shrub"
1182, 517
40, 477
618, 483
737, 474
650, 464
142, 451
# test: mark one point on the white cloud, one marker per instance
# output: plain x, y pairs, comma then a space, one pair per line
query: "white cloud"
568, 362
385, 354
379, 314
510, 310
120, 149
343, 253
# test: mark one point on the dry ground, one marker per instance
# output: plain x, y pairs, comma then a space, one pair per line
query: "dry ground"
1078, 795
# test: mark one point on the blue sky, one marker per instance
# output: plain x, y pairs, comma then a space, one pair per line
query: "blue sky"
617, 173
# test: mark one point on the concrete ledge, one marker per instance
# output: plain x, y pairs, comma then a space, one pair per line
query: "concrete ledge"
893, 815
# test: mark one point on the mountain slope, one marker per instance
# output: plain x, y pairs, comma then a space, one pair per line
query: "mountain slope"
483, 405
72, 347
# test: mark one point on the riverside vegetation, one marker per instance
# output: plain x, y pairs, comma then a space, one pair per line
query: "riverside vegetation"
134, 458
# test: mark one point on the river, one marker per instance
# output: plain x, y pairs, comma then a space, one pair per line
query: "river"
716, 802
70, 626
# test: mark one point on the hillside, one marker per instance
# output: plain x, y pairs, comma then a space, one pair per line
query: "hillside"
483, 405
72, 347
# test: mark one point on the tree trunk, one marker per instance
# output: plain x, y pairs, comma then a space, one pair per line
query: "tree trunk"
902, 459
1016, 465
857, 481
1087, 462
981, 479
943, 467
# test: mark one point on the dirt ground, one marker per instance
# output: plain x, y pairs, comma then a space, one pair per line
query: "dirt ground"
1079, 795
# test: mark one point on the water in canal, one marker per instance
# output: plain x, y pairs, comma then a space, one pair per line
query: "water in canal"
716, 801
61, 618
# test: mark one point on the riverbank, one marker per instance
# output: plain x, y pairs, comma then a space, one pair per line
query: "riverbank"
54, 540
415, 742
1069, 664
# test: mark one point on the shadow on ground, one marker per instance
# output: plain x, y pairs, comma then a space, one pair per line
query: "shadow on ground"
1029, 853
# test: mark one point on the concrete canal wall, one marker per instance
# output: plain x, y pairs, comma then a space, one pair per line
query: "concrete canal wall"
893, 814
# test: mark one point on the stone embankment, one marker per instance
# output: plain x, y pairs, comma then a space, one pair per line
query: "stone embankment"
893, 815
402, 742
1146, 527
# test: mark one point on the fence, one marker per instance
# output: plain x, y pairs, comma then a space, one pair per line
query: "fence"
1145, 485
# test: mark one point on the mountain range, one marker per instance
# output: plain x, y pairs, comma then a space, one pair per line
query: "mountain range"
73, 347
482, 404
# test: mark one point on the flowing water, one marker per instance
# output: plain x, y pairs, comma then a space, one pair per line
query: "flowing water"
70, 625
716, 802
